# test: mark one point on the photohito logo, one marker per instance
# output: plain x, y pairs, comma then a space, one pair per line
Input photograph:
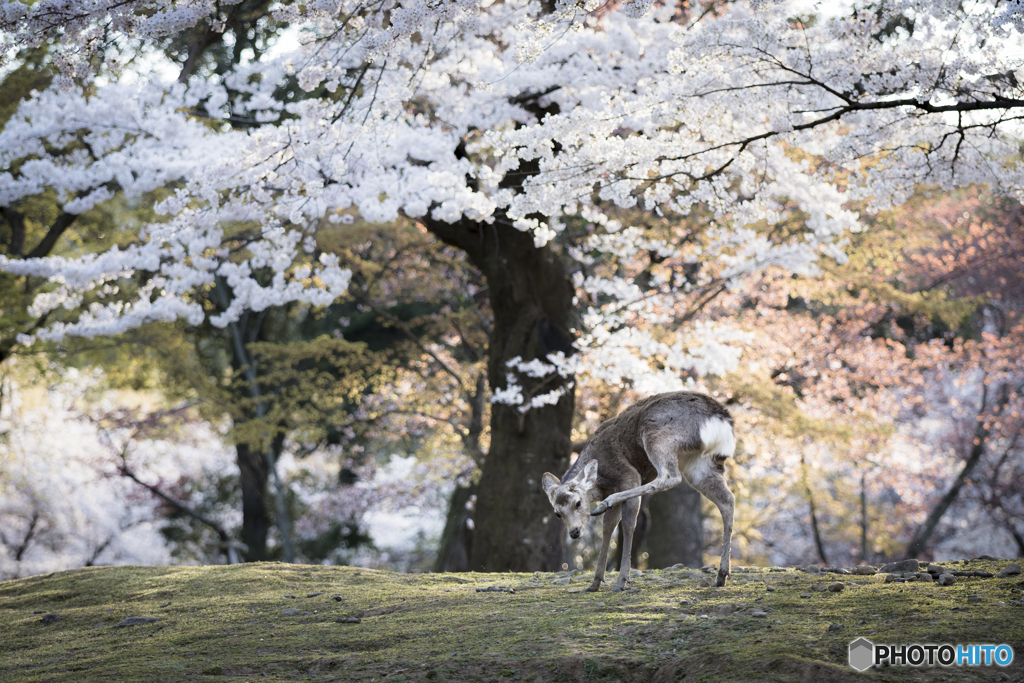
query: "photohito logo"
864, 654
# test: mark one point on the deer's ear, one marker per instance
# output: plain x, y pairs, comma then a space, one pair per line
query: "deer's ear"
549, 482
589, 477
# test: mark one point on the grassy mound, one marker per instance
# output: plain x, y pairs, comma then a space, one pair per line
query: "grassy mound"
278, 622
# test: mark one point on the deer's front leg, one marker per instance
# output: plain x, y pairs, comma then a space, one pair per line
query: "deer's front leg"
630, 508
610, 520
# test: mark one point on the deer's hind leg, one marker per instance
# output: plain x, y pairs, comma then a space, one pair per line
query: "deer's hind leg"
710, 481
610, 521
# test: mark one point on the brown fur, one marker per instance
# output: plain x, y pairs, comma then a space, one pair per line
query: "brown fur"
651, 446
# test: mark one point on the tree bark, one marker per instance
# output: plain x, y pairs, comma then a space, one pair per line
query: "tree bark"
531, 297
863, 517
981, 431
815, 527
675, 535
255, 499
456, 545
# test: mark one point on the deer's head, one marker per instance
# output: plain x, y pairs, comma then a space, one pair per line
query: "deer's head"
571, 500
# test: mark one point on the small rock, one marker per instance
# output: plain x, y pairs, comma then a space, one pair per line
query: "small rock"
560, 582
758, 614
990, 558
835, 627
337, 598
706, 582
936, 569
348, 620
50, 618
166, 604
136, 621
770, 589
1009, 570
805, 595
499, 589
819, 587
900, 567
865, 570
289, 595
313, 595
709, 568
724, 608
909, 576
837, 587
676, 567
890, 578
777, 569
840, 570
458, 579
599, 604
571, 590
973, 599
38, 611
812, 569
925, 576
290, 612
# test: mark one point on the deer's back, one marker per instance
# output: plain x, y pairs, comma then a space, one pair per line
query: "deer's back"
619, 442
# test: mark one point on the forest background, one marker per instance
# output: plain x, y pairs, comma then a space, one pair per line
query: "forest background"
385, 387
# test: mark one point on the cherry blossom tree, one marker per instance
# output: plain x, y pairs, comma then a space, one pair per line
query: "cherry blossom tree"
879, 400
64, 503
509, 131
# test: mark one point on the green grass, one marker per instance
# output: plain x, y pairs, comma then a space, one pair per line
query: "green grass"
221, 623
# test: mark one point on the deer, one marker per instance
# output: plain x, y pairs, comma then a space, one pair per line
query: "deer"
649, 447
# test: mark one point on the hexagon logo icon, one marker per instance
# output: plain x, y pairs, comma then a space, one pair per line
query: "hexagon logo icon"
862, 654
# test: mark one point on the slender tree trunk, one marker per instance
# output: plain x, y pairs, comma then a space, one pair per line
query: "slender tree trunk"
676, 532
282, 519
815, 528
863, 517
531, 298
924, 533
456, 545
457, 539
255, 468
255, 474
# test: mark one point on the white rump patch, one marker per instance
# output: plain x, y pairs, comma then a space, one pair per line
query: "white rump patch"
718, 437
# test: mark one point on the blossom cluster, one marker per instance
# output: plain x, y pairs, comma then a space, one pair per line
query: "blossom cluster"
437, 110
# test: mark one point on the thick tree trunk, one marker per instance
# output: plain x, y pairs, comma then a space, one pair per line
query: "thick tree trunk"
252, 466
531, 298
675, 535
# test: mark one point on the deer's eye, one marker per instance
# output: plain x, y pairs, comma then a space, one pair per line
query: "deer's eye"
577, 505
558, 514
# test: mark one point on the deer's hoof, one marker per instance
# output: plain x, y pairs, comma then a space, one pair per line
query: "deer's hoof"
592, 588
601, 508
619, 587
722, 576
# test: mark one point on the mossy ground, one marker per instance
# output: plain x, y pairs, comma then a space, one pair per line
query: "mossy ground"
220, 622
